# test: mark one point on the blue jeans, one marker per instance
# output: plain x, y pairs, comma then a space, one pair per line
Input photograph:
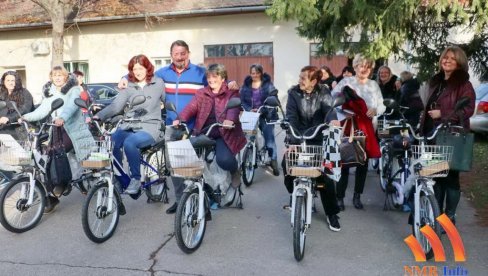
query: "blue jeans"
224, 157
132, 143
269, 138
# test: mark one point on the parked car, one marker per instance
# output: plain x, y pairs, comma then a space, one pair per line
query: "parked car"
103, 93
479, 121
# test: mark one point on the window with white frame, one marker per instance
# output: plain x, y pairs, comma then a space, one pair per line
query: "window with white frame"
81, 66
161, 62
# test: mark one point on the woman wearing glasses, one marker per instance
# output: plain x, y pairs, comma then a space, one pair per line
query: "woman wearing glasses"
445, 89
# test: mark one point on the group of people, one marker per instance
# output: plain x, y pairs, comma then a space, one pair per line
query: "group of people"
200, 96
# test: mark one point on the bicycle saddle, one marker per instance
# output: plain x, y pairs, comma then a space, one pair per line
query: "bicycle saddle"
153, 147
202, 141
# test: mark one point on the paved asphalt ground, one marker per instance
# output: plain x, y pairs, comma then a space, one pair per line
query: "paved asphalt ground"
254, 241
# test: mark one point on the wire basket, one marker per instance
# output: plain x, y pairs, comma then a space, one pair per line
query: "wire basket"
15, 153
249, 121
304, 160
99, 153
433, 158
185, 162
382, 126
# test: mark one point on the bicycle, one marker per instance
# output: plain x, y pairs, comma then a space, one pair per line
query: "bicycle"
305, 163
23, 199
394, 163
193, 209
103, 204
428, 162
255, 152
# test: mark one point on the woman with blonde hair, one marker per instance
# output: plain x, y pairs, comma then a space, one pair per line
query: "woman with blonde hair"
68, 119
369, 91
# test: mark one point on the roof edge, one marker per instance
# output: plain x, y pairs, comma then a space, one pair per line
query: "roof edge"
217, 11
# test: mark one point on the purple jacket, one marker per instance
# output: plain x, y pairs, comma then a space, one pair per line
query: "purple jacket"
200, 107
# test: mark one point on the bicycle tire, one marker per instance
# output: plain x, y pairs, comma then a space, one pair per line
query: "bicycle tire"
427, 217
99, 213
299, 236
186, 216
157, 191
247, 167
384, 169
6, 195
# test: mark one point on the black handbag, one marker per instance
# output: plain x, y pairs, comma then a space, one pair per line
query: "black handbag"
462, 143
352, 148
58, 168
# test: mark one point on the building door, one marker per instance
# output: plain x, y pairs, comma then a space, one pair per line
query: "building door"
237, 58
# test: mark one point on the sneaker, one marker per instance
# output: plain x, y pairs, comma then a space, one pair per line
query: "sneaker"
134, 186
51, 204
333, 222
274, 166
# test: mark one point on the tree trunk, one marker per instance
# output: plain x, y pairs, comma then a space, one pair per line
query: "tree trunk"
58, 41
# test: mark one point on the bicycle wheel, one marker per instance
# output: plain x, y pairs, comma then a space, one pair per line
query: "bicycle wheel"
159, 190
429, 211
247, 167
299, 235
15, 215
99, 224
189, 231
384, 168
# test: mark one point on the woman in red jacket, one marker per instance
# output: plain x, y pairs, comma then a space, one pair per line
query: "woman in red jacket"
445, 89
208, 107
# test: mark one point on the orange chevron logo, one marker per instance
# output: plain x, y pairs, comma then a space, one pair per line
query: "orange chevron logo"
435, 242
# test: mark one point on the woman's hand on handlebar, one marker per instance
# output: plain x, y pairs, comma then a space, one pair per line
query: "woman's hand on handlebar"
3, 120
335, 123
228, 124
435, 114
176, 122
58, 122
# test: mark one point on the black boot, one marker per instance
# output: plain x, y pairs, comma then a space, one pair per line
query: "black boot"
274, 166
172, 209
356, 201
340, 204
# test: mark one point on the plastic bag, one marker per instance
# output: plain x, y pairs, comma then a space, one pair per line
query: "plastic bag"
216, 176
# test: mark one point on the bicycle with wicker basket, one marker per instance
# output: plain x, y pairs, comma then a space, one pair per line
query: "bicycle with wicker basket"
103, 204
23, 199
189, 159
428, 162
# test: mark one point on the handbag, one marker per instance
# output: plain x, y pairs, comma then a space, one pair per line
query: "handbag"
462, 143
352, 148
58, 168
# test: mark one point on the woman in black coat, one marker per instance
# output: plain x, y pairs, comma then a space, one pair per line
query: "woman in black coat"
11, 90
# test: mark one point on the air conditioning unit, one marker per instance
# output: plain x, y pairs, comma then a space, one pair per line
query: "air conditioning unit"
40, 48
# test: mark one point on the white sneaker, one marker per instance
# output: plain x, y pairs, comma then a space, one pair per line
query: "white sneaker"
133, 187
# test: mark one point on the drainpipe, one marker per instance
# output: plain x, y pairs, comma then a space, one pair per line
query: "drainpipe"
218, 11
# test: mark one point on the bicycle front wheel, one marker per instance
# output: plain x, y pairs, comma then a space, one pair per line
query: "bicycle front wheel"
159, 190
299, 235
384, 168
429, 211
247, 166
98, 222
189, 230
15, 214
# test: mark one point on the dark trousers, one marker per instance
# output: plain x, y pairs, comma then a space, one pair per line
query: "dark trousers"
361, 173
327, 194
448, 189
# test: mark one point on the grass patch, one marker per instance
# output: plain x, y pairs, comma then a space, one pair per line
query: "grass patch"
473, 183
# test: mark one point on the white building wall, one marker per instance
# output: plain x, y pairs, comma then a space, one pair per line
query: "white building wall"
108, 47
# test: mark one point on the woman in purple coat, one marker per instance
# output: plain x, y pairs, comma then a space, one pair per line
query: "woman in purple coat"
208, 107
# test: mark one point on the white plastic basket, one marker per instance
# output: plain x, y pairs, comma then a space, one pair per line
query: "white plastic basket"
184, 160
383, 125
304, 160
249, 121
433, 158
15, 153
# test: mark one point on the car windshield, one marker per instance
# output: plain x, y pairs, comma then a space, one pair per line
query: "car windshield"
482, 92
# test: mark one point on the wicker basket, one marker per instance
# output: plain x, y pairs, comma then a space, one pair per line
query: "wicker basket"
433, 158
304, 161
184, 160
